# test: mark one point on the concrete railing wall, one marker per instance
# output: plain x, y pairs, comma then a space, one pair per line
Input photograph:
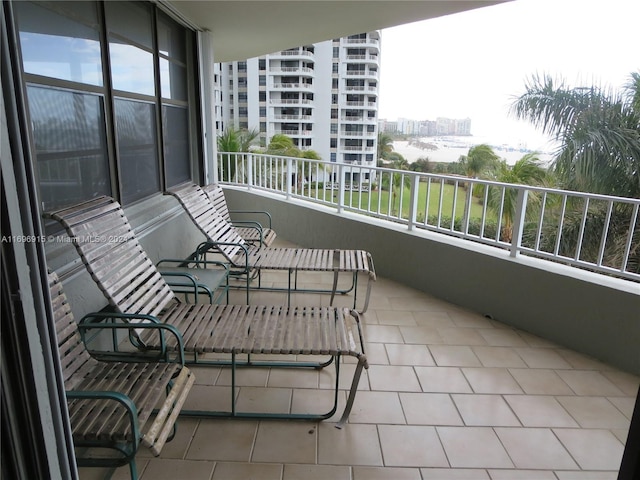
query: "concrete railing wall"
587, 312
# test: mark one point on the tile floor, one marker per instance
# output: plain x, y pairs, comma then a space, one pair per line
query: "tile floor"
449, 395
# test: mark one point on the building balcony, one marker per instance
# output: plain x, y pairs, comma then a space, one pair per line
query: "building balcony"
450, 392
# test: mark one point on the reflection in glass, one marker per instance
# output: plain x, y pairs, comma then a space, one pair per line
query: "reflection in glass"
131, 68
176, 144
137, 149
171, 39
70, 144
173, 79
58, 47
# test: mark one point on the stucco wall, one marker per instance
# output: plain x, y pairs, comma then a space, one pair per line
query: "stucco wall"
583, 311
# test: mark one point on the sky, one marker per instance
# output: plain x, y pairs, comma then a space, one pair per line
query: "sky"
473, 64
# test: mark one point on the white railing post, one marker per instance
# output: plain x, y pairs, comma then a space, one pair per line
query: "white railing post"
289, 177
340, 188
518, 221
249, 170
413, 200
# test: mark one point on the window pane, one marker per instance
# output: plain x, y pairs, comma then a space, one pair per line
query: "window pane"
171, 39
58, 47
137, 149
176, 144
69, 136
130, 20
173, 80
131, 68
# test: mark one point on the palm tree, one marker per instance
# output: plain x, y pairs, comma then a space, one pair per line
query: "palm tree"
478, 160
598, 133
385, 146
283, 145
526, 171
234, 140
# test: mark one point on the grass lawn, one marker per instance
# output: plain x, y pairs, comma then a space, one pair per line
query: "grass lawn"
378, 202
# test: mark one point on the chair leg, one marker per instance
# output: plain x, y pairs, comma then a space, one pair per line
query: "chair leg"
352, 393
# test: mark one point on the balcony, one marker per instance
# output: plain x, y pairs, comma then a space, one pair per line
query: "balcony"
449, 394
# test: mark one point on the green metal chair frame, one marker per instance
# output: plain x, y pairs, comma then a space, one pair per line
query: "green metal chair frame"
133, 285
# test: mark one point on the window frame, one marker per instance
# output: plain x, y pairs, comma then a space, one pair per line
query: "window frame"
159, 18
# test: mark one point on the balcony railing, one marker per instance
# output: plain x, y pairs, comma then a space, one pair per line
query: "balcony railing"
594, 232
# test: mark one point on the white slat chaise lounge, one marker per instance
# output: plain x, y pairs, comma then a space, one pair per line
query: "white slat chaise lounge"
132, 284
248, 259
250, 231
111, 402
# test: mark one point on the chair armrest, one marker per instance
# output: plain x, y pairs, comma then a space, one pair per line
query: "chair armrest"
124, 400
259, 212
97, 320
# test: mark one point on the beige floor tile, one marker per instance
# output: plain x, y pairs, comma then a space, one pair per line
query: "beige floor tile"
166, 469
536, 341
377, 353
594, 412
226, 440
442, 379
247, 471
592, 449
535, 448
395, 317
327, 377
491, 380
521, 475
205, 375
409, 355
624, 404
435, 319
417, 302
383, 334
356, 444
393, 378
582, 475
313, 401
453, 474
485, 410
542, 357
377, 407
385, 473
429, 409
176, 448
539, 411
208, 398
498, 357
421, 335
629, 384
473, 447
293, 378
583, 362
467, 319
245, 377
411, 446
589, 383
316, 472
502, 337
461, 336
285, 442
454, 356
535, 381
263, 400
621, 434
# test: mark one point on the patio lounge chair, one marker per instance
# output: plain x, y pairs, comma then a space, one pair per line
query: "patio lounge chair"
110, 402
111, 253
250, 231
249, 260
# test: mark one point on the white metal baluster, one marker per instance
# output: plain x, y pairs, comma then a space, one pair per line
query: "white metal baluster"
518, 223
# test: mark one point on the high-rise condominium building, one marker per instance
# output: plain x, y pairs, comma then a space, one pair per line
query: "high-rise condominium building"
324, 96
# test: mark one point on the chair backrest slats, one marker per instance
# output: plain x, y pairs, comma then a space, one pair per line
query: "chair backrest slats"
73, 354
219, 201
198, 206
119, 265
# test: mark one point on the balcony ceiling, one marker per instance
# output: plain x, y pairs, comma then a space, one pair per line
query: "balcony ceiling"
245, 29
